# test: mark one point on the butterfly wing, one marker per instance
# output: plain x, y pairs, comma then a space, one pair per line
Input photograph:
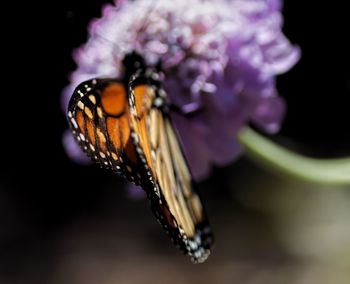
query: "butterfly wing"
98, 114
133, 136
169, 186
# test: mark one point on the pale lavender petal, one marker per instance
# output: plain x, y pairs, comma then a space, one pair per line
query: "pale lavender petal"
195, 148
269, 113
135, 192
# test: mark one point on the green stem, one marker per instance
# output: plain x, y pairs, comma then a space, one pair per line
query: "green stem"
321, 171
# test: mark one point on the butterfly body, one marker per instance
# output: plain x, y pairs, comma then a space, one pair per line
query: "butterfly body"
124, 125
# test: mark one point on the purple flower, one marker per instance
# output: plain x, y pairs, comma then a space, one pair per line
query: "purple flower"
220, 55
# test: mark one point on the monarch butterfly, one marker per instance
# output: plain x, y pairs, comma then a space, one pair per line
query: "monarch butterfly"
124, 125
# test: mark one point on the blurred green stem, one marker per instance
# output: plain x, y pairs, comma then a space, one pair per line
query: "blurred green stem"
321, 171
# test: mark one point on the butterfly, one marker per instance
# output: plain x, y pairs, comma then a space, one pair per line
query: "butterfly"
125, 126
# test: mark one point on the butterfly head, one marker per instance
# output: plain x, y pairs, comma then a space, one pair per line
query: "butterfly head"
133, 62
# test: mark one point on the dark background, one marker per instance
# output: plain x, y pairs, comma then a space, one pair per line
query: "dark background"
51, 208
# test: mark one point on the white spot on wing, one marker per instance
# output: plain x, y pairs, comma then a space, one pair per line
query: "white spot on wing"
158, 102
74, 123
92, 99
80, 105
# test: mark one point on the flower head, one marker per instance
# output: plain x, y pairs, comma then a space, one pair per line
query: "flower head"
221, 55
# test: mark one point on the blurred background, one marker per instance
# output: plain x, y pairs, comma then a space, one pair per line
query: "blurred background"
65, 223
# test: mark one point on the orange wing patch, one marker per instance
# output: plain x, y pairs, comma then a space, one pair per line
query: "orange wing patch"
90, 127
143, 98
113, 99
79, 117
113, 130
124, 129
102, 141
